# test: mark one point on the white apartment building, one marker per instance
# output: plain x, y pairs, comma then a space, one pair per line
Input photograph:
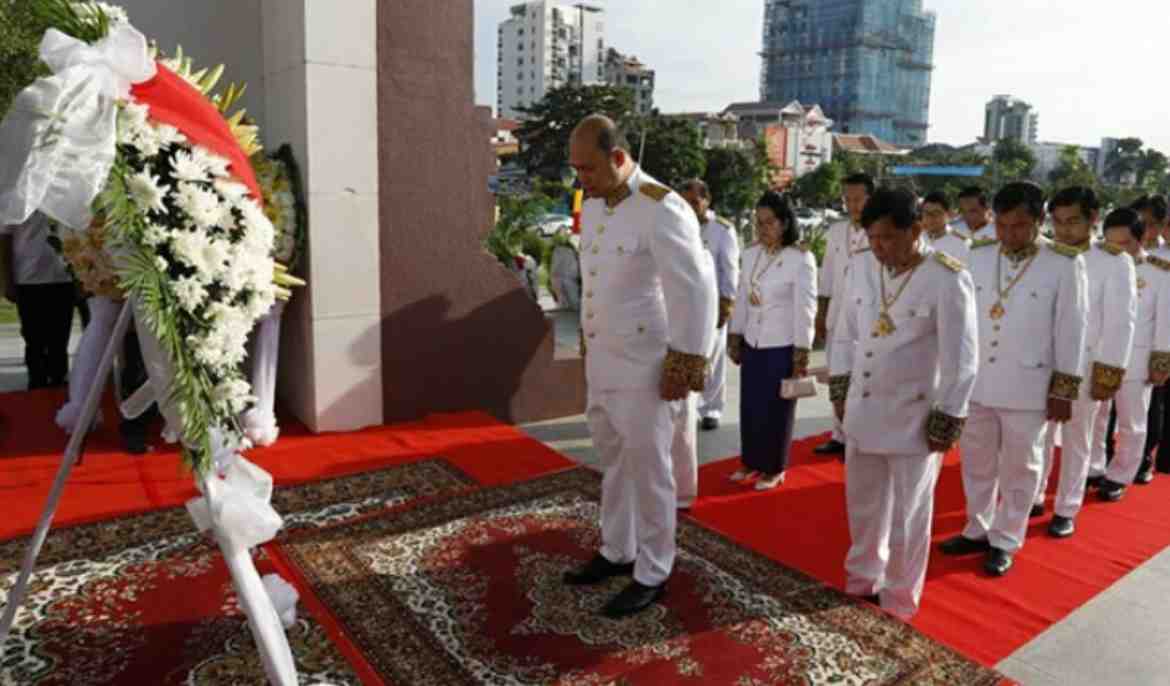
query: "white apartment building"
545, 44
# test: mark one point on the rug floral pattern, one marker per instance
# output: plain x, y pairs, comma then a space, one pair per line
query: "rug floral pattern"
467, 590
147, 600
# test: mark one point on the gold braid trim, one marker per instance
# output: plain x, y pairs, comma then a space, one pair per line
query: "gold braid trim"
1107, 376
582, 335
943, 428
735, 346
684, 369
726, 305
839, 388
1160, 362
1064, 386
800, 358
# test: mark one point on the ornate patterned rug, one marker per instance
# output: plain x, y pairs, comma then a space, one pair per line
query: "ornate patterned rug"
467, 590
148, 600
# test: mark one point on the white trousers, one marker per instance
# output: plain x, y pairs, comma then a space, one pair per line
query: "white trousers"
1003, 453
684, 451
260, 422
715, 394
1133, 407
569, 291
890, 503
103, 314
838, 427
1076, 441
633, 431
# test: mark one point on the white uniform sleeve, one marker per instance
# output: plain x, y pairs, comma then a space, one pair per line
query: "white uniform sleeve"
728, 263
1071, 319
1120, 313
1162, 316
805, 292
958, 344
739, 313
845, 333
688, 277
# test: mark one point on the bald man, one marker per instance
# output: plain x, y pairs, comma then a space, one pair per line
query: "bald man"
648, 318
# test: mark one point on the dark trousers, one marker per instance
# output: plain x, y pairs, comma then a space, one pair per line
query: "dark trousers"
1157, 422
46, 317
133, 376
765, 419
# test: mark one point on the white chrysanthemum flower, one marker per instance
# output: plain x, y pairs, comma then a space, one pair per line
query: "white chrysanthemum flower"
147, 143
161, 264
169, 136
187, 168
217, 254
201, 205
191, 249
215, 165
191, 293
89, 11
259, 234
148, 191
155, 234
233, 396
132, 119
261, 303
232, 192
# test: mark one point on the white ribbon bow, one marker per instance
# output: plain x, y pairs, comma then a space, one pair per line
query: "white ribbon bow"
57, 143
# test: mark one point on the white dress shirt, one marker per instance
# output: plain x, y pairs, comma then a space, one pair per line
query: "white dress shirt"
720, 240
786, 283
34, 261
845, 242
951, 243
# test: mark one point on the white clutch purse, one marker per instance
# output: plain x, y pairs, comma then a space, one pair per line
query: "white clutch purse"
804, 387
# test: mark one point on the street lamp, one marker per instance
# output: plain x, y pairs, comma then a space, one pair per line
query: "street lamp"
582, 8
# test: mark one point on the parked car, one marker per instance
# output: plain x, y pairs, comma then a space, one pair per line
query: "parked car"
551, 224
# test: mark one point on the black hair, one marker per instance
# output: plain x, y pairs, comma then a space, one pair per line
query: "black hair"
859, 179
938, 198
974, 192
1080, 196
900, 206
1156, 204
700, 185
783, 210
1019, 194
1128, 218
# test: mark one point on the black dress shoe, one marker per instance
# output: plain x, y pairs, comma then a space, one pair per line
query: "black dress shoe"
830, 447
998, 562
632, 600
1145, 474
1110, 491
1093, 482
136, 445
874, 599
1037, 511
708, 423
1061, 527
961, 545
597, 570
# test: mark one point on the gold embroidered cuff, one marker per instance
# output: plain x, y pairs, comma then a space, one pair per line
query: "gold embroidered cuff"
726, 305
1107, 376
1160, 362
1064, 386
800, 358
943, 428
734, 346
839, 388
582, 333
682, 368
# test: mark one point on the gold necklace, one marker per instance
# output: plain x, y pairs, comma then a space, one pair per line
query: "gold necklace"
997, 310
754, 296
884, 326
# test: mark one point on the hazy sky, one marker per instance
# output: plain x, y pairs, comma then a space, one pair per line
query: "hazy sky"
1090, 69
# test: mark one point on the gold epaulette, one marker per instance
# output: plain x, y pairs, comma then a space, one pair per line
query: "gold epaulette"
983, 243
1064, 250
948, 261
655, 191
726, 223
1158, 262
1111, 249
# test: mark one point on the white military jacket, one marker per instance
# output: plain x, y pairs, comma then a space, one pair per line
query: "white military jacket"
1151, 339
1112, 304
720, 240
788, 299
921, 374
986, 233
844, 243
1037, 347
648, 286
951, 243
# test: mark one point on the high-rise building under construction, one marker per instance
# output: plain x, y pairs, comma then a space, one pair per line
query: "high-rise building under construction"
867, 63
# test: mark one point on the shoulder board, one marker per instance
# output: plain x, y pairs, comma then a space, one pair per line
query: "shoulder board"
1110, 248
653, 190
1063, 250
725, 222
948, 261
983, 243
1159, 262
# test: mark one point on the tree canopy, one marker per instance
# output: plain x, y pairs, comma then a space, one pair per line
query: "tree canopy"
673, 148
545, 133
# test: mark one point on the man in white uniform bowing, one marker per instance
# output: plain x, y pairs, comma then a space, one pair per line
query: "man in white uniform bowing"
1032, 304
648, 320
903, 368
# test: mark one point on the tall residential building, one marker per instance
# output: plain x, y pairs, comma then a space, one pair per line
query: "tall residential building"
627, 72
867, 63
1008, 117
546, 44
